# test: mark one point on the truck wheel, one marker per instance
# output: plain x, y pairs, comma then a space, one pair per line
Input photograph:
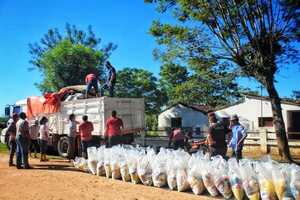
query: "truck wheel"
62, 147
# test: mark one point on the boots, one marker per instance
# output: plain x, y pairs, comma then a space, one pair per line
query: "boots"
10, 163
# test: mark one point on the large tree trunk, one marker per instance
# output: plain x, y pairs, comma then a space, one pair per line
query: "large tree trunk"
278, 122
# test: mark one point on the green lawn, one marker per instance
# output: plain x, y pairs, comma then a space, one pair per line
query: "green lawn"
3, 148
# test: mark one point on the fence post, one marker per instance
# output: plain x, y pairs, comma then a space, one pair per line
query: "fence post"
263, 141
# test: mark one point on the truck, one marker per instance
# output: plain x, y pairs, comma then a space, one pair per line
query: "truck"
98, 110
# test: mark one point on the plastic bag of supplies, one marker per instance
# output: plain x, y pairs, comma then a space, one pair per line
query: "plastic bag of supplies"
92, 159
267, 189
207, 177
250, 182
100, 164
171, 170
81, 164
181, 164
132, 157
235, 179
221, 178
107, 158
144, 169
194, 174
159, 172
123, 166
281, 178
295, 181
115, 156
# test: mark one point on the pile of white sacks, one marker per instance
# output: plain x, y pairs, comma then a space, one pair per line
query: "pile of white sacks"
265, 179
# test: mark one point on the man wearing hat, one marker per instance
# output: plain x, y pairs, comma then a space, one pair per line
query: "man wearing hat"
216, 138
239, 134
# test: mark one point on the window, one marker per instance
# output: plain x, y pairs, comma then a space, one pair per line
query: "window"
265, 122
293, 121
176, 122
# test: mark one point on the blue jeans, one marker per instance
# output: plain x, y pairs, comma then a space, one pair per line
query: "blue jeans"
22, 151
109, 88
84, 146
12, 150
92, 84
71, 148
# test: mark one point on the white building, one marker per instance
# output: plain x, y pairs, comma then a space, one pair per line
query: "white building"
182, 115
255, 113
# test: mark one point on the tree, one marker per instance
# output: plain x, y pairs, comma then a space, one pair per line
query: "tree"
67, 64
190, 74
65, 59
140, 83
256, 35
152, 122
172, 75
296, 95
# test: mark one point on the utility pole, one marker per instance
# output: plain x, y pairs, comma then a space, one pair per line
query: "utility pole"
261, 102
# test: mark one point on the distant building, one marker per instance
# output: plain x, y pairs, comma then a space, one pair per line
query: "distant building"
255, 113
183, 115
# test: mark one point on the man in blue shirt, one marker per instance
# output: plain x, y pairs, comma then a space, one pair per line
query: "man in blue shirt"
111, 80
239, 134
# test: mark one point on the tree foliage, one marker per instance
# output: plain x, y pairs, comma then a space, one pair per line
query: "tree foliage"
152, 122
190, 73
140, 83
296, 95
67, 64
64, 59
255, 35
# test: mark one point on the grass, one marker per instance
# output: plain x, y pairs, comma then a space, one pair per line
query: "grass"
3, 148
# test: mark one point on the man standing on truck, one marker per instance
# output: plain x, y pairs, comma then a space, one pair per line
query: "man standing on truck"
111, 80
91, 81
216, 138
113, 132
85, 130
11, 132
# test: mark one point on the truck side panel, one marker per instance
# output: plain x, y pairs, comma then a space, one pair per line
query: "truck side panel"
130, 110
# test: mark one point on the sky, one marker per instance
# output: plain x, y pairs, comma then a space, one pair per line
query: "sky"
124, 22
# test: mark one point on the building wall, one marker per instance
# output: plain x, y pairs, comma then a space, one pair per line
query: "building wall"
251, 109
190, 117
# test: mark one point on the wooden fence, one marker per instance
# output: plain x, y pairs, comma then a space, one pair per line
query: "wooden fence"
262, 139
266, 139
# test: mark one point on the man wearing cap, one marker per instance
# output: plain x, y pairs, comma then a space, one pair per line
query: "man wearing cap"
216, 138
239, 134
111, 80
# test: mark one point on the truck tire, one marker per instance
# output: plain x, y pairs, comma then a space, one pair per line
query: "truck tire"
62, 146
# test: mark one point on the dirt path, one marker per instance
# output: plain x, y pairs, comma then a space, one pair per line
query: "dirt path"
58, 180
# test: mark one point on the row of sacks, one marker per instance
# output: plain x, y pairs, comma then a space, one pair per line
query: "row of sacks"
264, 179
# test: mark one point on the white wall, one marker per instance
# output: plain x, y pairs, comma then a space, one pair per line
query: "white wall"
250, 110
190, 117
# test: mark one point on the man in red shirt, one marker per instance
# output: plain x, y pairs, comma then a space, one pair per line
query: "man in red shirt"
85, 130
91, 81
177, 137
113, 130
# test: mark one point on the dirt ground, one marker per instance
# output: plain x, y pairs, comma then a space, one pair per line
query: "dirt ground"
58, 180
